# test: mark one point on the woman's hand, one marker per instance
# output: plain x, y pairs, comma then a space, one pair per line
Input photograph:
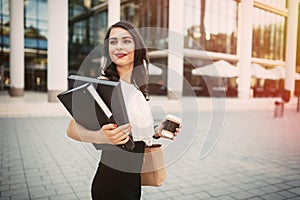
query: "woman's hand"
158, 131
114, 134
109, 133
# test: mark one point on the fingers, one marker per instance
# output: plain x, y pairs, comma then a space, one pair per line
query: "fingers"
109, 126
124, 141
121, 134
117, 135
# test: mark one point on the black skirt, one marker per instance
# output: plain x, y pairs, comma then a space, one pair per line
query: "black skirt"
118, 174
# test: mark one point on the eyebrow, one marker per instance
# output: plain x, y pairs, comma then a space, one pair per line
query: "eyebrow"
125, 37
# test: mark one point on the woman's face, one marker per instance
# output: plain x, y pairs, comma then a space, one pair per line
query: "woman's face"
121, 47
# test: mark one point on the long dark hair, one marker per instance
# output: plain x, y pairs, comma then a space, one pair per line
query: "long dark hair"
139, 76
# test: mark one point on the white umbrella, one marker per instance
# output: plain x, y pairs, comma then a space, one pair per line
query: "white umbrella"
219, 68
278, 72
154, 70
260, 72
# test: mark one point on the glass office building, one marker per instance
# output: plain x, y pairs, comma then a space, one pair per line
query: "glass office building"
35, 44
210, 25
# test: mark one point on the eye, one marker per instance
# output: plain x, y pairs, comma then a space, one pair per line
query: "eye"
113, 42
127, 41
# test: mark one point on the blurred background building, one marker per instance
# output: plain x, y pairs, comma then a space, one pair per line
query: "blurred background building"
240, 48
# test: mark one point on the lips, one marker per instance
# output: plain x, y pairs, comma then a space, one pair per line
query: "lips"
120, 55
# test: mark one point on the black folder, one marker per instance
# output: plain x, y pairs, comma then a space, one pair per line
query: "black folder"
94, 103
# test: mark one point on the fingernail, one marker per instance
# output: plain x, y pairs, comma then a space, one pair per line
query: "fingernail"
115, 125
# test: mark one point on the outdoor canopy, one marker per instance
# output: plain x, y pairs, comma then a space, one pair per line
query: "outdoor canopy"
220, 68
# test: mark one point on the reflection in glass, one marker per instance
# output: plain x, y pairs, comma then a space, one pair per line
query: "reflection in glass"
87, 27
275, 3
146, 14
211, 24
268, 35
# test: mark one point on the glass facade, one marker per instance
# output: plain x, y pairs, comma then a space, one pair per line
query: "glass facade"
298, 48
211, 25
36, 22
153, 17
274, 3
268, 35
35, 44
4, 25
208, 24
4, 42
87, 27
79, 7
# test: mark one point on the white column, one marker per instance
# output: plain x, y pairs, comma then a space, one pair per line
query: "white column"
244, 49
176, 45
291, 45
16, 59
114, 11
57, 47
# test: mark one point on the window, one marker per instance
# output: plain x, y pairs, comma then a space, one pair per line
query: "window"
36, 24
4, 25
211, 25
152, 17
87, 28
268, 35
275, 3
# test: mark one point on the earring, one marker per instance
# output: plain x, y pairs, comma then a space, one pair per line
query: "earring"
103, 61
146, 66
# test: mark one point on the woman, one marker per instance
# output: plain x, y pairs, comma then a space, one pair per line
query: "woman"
117, 176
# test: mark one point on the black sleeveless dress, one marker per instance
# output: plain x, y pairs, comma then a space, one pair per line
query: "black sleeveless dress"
117, 176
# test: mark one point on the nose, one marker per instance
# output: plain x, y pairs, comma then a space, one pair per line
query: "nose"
119, 45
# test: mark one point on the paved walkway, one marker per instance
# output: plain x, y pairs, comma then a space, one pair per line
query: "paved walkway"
256, 155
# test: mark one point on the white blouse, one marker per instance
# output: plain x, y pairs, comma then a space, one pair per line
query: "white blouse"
139, 113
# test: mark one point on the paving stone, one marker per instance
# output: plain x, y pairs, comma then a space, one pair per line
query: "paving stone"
219, 192
186, 197
270, 189
295, 190
5, 198
15, 192
18, 186
252, 160
254, 198
287, 194
247, 186
4, 188
188, 190
40, 192
283, 185
19, 197
202, 195
226, 197
294, 183
273, 196
173, 193
156, 196
257, 192
83, 195
64, 197
242, 195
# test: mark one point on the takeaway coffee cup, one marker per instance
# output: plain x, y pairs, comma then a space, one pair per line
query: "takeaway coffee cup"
171, 123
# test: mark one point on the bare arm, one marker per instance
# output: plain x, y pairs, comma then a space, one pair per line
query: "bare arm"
108, 134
